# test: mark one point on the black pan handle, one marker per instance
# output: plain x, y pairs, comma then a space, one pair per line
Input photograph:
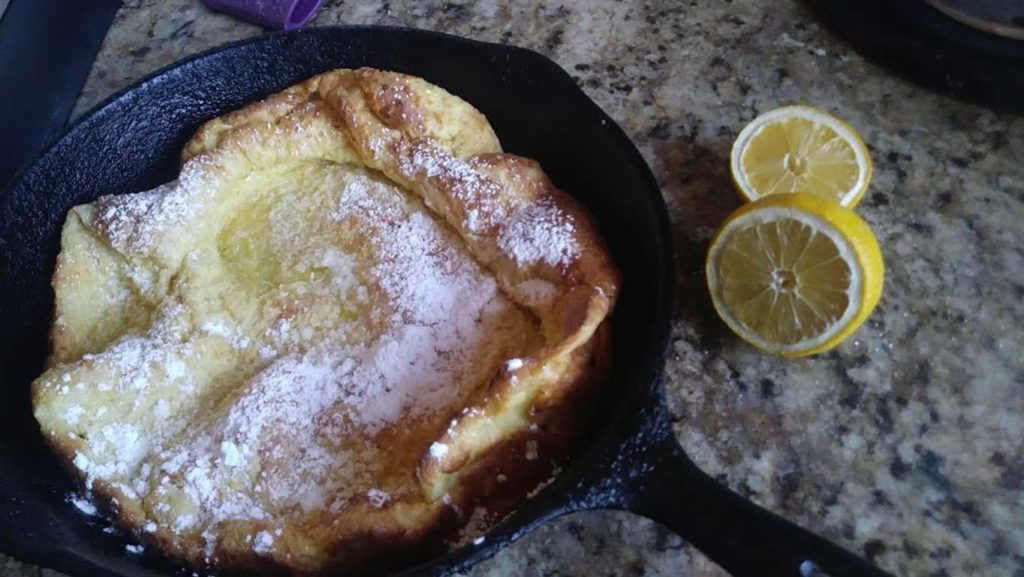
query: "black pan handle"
46, 52
745, 539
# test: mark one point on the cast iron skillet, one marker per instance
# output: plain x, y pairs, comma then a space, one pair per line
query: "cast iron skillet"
132, 143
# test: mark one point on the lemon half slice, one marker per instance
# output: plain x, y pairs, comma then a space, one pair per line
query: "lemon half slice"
794, 274
800, 149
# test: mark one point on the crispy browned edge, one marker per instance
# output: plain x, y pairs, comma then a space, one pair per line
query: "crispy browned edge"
364, 104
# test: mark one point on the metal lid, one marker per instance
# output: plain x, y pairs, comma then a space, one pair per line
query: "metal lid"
1002, 17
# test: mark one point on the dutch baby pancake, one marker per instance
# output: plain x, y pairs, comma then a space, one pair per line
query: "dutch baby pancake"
351, 332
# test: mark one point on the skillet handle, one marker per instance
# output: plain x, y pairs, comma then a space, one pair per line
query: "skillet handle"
743, 538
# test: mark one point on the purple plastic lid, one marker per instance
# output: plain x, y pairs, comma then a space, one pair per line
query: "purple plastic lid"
277, 14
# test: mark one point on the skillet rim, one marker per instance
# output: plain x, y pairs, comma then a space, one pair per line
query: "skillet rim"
576, 487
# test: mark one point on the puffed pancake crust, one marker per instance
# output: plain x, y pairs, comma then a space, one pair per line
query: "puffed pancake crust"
351, 333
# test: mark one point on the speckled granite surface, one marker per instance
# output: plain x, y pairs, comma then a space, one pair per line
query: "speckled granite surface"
907, 443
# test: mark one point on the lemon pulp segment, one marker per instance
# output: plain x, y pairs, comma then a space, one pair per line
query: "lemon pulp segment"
784, 280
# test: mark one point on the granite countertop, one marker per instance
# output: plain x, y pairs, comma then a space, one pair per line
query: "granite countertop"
905, 444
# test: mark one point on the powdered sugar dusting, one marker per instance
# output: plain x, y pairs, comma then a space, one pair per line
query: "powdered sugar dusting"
263, 543
438, 450
539, 233
530, 233
294, 434
137, 222
438, 296
83, 504
378, 498
535, 292
478, 197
